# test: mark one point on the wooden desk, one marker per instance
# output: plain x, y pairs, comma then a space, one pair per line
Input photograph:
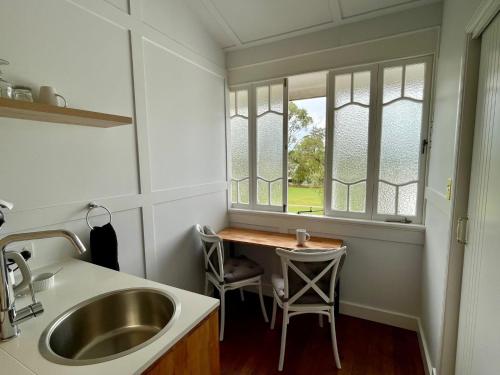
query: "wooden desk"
274, 240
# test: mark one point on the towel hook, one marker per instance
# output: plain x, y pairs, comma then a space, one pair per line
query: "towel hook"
93, 206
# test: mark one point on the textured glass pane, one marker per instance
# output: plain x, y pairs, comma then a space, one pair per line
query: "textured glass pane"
350, 143
242, 102
400, 144
270, 146
239, 147
262, 99
277, 98
342, 89
361, 87
392, 83
414, 81
407, 203
234, 192
232, 103
357, 197
277, 193
386, 199
244, 192
339, 196
262, 192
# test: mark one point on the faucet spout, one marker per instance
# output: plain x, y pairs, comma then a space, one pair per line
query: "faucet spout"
28, 236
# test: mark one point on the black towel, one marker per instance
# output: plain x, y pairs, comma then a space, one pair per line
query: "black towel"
104, 247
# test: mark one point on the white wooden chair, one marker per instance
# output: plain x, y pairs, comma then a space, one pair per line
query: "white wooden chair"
228, 274
307, 286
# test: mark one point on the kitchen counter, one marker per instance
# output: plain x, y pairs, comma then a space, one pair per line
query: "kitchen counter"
77, 282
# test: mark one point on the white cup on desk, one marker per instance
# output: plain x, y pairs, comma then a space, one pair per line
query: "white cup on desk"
302, 236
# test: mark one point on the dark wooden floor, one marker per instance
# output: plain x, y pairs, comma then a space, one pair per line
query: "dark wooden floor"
366, 348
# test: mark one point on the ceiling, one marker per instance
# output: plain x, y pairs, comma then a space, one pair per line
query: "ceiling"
242, 23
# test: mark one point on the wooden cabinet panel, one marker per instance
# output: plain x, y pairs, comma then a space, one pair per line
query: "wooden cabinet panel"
197, 353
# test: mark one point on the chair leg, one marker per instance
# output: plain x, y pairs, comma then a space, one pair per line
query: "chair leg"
320, 319
334, 339
273, 318
222, 312
242, 295
262, 306
206, 285
283, 339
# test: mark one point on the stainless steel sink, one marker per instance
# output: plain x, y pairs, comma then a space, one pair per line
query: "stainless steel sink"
108, 326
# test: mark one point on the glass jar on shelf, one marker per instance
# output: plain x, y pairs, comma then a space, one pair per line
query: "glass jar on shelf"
5, 86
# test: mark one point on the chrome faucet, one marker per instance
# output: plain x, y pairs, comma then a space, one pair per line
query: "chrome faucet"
9, 316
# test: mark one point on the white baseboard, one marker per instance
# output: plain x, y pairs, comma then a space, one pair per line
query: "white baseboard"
424, 350
374, 314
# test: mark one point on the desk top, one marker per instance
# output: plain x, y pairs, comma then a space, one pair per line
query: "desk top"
274, 240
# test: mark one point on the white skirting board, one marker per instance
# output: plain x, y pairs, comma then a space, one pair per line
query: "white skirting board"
424, 350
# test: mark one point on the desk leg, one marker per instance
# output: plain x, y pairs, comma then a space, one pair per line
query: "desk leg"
337, 298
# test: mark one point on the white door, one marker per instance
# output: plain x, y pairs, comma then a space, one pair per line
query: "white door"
478, 351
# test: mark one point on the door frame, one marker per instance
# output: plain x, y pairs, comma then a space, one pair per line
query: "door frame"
480, 20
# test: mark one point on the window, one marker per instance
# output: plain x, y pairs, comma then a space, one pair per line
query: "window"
258, 118
374, 149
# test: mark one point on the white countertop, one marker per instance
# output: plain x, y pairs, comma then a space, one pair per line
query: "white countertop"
77, 282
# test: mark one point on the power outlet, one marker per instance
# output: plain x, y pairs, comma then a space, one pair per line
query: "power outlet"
21, 246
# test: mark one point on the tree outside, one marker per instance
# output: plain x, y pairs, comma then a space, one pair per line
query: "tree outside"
306, 159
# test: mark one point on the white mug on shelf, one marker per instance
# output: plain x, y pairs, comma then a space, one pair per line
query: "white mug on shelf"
302, 236
49, 96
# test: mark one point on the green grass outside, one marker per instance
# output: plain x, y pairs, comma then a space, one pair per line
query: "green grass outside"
302, 198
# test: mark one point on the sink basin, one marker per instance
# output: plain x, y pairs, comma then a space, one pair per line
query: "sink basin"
108, 326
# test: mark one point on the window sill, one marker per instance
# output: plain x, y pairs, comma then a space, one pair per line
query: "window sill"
329, 226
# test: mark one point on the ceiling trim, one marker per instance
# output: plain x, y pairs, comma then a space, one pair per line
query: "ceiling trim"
336, 14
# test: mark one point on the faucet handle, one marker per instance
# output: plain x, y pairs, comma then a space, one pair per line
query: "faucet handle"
25, 272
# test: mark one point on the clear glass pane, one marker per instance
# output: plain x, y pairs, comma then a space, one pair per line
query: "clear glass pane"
342, 89
239, 148
350, 143
392, 83
414, 81
357, 197
270, 146
400, 144
262, 99
262, 192
339, 196
234, 192
277, 193
386, 199
242, 102
232, 103
244, 192
407, 200
277, 98
361, 87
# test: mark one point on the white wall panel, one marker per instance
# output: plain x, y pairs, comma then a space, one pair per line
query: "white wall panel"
61, 45
179, 254
51, 171
175, 19
185, 106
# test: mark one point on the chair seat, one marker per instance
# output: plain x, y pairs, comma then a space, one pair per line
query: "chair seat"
237, 269
309, 298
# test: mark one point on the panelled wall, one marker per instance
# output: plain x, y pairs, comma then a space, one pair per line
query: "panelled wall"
150, 60
436, 255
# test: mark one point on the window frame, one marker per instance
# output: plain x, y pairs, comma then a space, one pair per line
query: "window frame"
424, 135
330, 126
252, 146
